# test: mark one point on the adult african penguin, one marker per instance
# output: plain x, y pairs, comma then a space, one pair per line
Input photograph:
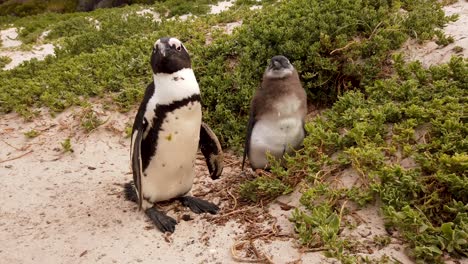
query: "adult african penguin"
167, 132
277, 113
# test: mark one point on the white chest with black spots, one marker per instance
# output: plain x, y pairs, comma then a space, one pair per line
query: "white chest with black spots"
171, 170
277, 133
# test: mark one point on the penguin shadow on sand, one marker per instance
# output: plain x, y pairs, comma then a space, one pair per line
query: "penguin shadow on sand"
167, 132
277, 116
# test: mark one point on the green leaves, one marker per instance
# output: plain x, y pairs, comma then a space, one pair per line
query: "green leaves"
319, 227
4, 60
336, 45
407, 145
67, 146
32, 133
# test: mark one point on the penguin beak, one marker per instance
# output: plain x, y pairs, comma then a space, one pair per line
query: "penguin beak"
163, 49
277, 65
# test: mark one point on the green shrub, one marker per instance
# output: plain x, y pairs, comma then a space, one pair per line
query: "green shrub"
4, 60
34, 7
426, 203
336, 45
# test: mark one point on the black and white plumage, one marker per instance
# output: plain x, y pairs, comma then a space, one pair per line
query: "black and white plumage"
166, 134
277, 113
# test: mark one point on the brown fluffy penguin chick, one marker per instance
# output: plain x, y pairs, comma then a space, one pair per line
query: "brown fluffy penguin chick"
277, 112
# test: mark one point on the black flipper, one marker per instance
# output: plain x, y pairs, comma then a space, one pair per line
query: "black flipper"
250, 126
198, 205
137, 165
140, 125
163, 222
211, 149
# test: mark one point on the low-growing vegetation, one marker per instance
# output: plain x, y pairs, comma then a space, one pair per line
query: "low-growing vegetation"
106, 51
398, 128
23, 8
405, 138
67, 146
4, 60
32, 133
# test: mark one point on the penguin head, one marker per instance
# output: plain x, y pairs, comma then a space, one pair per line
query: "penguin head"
169, 55
279, 67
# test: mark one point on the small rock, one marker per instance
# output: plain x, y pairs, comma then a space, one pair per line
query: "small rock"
91, 168
8, 166
365, 233
390, 230
186, 217
216, 200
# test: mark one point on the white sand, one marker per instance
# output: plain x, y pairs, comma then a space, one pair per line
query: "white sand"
8, 37
18, 56
155, 15
430, 53
221, 7
63, 208
10, 46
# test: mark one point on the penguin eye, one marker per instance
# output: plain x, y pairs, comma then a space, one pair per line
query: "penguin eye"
178, 48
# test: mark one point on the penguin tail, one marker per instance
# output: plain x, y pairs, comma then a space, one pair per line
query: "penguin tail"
130, 192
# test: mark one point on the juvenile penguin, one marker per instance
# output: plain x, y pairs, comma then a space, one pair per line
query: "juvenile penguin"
277, 113
167, 132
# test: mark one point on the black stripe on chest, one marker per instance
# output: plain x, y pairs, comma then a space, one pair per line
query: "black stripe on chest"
149, 144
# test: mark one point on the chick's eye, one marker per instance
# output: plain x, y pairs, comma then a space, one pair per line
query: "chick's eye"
178, 48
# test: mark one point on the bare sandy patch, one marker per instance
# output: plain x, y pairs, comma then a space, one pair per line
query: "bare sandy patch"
18, 56
431, 53
221, 7
10, 49
145, 12
8, 37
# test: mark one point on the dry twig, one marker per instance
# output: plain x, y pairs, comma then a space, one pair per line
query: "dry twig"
20, 156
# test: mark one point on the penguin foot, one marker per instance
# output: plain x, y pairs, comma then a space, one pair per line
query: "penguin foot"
261, 172
130, 192
163, 222
198, 205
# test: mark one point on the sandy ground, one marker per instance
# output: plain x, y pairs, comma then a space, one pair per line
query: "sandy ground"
10, 48
68, 207
430, 53
221, 6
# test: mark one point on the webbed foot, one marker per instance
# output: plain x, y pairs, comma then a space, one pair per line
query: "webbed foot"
198, 205
163, 222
